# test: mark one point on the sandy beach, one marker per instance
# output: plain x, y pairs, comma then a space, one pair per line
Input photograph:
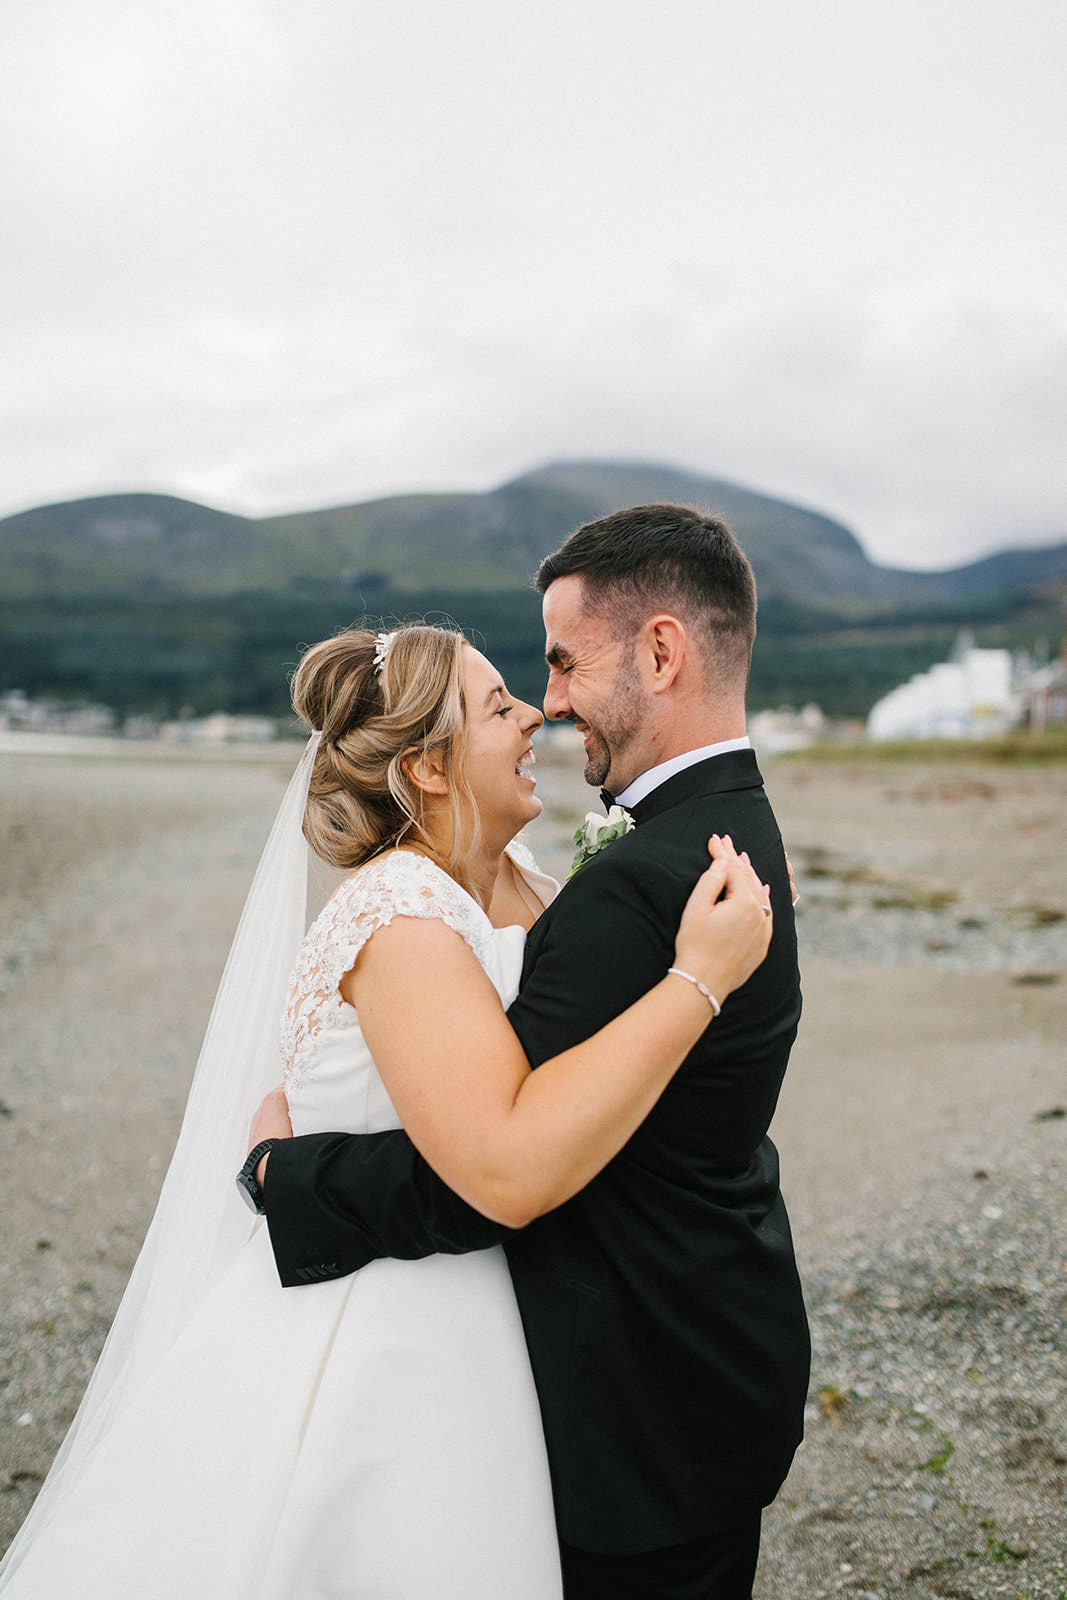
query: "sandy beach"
922, 1127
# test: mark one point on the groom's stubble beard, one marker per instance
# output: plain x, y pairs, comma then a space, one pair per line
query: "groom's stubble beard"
614, 730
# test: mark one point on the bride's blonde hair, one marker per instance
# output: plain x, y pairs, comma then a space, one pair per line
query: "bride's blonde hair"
376, 721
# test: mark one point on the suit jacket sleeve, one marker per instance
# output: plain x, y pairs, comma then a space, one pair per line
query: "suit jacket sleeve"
336, 1201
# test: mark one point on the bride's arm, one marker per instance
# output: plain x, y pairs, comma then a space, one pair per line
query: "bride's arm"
515, 1143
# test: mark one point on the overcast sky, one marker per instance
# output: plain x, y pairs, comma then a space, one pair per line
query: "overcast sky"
279, 254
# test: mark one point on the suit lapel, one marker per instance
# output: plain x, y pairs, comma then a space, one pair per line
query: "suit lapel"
736, 769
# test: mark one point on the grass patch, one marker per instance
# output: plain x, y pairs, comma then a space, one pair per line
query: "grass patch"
1012, 748
997, 1550
916, 900
938, 1463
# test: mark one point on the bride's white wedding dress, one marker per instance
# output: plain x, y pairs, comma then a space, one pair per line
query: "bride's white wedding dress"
372, 1438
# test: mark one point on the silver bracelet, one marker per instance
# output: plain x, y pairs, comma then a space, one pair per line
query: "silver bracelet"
705, 991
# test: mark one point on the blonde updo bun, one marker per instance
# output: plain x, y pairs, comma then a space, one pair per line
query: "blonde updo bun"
362, 800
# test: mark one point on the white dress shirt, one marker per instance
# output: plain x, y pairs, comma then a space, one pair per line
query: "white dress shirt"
652, 779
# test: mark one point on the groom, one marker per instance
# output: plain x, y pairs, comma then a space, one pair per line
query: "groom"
661, 1305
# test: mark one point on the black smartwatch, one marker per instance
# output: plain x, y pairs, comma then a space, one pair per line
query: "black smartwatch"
246, 1178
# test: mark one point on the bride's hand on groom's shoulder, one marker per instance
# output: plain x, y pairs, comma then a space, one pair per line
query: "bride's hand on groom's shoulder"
727, 923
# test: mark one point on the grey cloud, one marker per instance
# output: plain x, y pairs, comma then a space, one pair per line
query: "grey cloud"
278, 255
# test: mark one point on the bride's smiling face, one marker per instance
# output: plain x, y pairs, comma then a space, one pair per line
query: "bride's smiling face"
499, 754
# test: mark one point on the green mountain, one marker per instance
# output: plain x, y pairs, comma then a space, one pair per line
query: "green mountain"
148, 600
142, 546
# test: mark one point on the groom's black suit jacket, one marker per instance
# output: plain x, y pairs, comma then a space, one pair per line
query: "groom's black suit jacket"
661, 1305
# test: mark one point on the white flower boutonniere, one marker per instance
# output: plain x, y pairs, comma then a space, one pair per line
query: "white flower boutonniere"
597, 831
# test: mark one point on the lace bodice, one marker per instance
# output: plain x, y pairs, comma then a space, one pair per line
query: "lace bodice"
400, 884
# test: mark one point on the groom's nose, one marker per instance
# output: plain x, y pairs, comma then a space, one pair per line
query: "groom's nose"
557, 700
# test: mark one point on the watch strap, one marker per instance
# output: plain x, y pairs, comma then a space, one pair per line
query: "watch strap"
246, 1178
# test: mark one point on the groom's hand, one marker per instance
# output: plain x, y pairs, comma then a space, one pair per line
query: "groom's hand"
271, 1121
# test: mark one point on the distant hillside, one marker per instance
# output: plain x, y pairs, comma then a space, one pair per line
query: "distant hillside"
139, 546
149, 602
488, 540
133, 545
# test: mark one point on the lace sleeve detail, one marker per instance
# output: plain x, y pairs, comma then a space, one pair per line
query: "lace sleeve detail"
400, 884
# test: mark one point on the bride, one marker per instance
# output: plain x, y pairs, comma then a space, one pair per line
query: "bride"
377, 1436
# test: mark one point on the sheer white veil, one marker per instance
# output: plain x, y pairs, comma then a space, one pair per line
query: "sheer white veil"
200, 1222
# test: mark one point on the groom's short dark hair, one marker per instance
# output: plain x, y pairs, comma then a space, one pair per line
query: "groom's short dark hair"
665, 557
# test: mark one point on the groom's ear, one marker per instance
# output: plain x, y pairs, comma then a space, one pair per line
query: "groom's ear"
426, 770
664, 640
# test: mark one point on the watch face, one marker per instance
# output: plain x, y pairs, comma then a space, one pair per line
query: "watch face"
246, 1178
250, 1190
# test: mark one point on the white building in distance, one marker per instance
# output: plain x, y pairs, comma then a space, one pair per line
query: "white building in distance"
969, 697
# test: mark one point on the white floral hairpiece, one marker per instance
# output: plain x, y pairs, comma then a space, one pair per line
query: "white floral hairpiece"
381, 650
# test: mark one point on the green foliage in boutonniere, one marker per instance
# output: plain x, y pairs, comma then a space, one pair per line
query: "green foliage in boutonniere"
597, 831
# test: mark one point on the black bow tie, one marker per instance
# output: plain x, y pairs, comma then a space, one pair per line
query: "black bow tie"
606, 800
